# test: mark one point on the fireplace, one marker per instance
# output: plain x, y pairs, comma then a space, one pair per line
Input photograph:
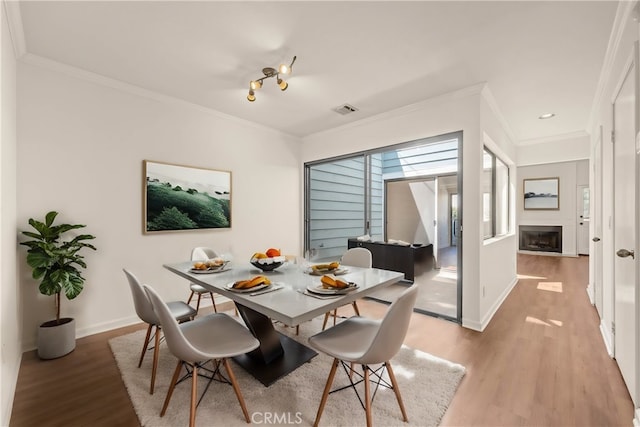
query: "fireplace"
541, 238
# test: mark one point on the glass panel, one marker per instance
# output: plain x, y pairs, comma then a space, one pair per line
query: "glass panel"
585, 203
336, 206
487, 190
502, 198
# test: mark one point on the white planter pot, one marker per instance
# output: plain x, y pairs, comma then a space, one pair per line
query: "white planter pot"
56, 340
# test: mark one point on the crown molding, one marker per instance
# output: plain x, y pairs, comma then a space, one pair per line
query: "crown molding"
623, 12
14, 19
493, 105
99, 79
555, 138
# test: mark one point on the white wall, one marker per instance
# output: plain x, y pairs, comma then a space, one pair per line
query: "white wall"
10, 295
558, 149
459, 111
81, 147
496, 283
566, 215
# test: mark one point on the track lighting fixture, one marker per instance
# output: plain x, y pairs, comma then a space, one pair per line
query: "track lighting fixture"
268, 72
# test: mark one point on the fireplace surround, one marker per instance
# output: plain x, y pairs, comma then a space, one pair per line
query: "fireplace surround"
541, 238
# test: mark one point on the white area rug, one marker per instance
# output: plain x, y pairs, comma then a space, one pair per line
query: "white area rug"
427, 384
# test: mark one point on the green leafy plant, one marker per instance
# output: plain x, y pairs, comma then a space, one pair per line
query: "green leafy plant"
56, 261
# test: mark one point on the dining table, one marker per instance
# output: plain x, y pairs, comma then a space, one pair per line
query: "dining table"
294, 296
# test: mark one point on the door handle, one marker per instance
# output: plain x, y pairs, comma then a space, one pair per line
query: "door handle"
623, 253
596, 239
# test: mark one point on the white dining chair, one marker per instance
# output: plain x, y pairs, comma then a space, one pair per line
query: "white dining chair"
213, 338
180, 311
368, 343
355, 257
201, 253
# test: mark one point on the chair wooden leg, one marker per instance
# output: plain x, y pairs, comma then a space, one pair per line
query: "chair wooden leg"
190, 297
355, 308
146, 344
194, 396
327, 389
396, 390
236, 388
367, 395
326, 317
198, 303
213, 301
335, 316
156, 354
172, 386
297, 329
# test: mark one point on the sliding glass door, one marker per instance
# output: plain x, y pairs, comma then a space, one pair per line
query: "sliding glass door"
350, 196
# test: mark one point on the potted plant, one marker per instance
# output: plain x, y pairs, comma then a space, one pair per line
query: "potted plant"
56, 261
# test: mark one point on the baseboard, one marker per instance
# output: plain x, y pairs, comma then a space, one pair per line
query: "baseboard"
520, 251
607, 338
480, 326
591, 295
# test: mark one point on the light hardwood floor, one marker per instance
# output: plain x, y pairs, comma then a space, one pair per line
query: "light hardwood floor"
541, 361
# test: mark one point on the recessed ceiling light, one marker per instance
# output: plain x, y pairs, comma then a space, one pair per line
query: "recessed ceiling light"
547, 116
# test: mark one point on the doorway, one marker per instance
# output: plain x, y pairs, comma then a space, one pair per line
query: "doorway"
345, 199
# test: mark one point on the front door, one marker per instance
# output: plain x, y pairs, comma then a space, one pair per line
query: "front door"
625, 129
582, 203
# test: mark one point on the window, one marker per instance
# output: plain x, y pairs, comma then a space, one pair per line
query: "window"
495, 188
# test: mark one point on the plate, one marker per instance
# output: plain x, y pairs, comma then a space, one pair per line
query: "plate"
337, 272
209, 270
242, 291
318, 289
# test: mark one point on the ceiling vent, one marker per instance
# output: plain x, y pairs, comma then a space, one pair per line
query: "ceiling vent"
345, 109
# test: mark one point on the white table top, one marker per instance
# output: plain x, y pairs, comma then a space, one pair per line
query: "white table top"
287, 305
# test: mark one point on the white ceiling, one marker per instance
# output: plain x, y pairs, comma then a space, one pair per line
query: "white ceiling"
536, 57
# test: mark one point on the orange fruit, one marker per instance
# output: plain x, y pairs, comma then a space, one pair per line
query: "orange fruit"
272, 252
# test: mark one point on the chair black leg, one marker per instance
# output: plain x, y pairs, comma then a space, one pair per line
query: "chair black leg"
190, 297
325, 394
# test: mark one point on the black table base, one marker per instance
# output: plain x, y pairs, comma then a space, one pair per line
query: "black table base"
277, 355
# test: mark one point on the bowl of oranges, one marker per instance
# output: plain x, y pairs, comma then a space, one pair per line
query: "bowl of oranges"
268, 260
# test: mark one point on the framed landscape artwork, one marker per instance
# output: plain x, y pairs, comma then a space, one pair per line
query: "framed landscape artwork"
178, 198
541, 194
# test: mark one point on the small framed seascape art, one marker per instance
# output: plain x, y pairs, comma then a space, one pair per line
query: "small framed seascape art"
180, 198
541, 193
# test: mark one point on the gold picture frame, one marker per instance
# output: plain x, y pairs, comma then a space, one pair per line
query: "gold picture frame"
182, 198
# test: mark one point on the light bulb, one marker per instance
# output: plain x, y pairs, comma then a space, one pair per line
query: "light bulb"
282, 84
255, 84
251, 97
284, 69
